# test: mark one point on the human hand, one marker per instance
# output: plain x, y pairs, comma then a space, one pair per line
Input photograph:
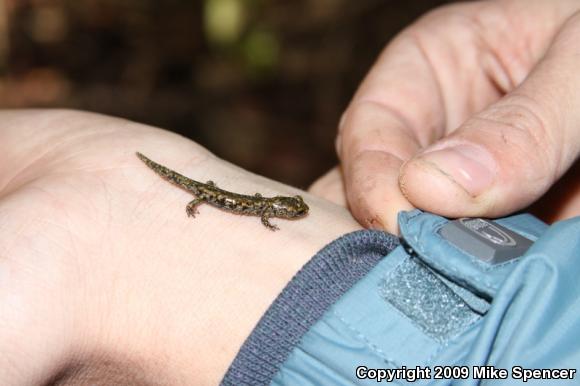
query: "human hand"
103, 277
474, 110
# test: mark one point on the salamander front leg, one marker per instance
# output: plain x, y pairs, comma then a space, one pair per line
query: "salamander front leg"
191, 209
266, 215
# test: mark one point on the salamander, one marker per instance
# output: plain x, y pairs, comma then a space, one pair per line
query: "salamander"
285, 207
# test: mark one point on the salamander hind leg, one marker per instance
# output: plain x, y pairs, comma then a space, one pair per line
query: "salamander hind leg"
191, 208
210, 183
266, 215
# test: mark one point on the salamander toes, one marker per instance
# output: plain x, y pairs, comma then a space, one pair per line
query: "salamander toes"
191, 211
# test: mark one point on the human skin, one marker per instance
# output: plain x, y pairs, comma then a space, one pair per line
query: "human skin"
473, 110
105, 280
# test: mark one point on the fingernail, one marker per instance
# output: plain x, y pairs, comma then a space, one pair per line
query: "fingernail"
472, 167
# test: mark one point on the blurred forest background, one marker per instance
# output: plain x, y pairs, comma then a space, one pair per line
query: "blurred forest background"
260, 83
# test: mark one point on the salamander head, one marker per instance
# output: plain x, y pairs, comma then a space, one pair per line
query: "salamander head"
289, 207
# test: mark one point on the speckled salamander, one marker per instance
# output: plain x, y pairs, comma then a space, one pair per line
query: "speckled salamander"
256, 205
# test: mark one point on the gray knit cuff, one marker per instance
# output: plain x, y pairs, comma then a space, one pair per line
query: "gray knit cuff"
317, 286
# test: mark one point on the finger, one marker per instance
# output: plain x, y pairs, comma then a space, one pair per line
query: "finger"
375, 199
425, 82
330, 187
379, 131
510, 154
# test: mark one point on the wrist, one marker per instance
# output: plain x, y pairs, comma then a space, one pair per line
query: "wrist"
197, 287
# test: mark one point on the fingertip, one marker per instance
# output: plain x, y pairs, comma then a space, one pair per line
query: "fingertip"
372, 213
373, 192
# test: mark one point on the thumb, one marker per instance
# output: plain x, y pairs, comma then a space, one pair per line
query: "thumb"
509, 155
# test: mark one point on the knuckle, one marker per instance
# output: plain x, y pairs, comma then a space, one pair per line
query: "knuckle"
338, 145
372, 126
526, 128
355, 134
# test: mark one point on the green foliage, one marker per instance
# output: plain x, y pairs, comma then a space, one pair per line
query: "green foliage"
261, 50
224, 21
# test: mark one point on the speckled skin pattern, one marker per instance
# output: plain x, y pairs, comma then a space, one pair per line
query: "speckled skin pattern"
256, 205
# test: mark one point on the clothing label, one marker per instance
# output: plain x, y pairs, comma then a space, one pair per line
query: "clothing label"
485, 239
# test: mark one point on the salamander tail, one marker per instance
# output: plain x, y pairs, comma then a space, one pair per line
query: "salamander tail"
168, 174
